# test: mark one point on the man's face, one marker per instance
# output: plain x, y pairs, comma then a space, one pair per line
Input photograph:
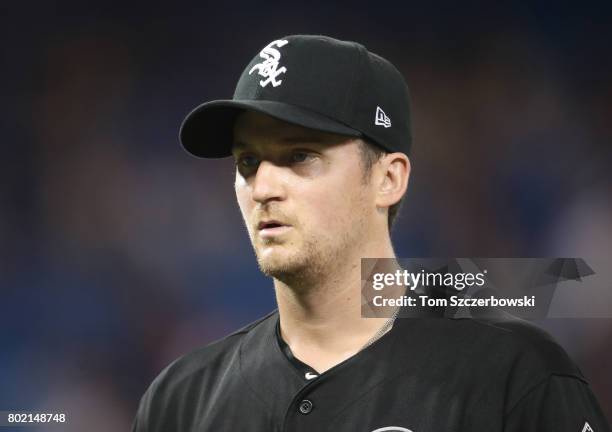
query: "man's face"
302, 195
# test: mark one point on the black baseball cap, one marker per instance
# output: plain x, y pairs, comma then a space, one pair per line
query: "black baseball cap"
313, 81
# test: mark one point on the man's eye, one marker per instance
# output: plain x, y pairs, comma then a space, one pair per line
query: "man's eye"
247, 161
300, 156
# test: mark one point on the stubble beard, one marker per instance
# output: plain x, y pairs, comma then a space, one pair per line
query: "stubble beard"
310, 261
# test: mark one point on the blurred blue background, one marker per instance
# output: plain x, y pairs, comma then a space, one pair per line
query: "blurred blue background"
119, 252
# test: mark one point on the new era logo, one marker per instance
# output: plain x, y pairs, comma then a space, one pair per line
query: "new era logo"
381, 118
587, 427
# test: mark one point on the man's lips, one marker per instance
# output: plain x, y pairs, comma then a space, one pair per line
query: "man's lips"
272, 228
269, 224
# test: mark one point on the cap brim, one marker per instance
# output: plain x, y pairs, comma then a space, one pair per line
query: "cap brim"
207, 131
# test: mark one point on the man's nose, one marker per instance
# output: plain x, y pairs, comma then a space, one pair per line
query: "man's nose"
268, 184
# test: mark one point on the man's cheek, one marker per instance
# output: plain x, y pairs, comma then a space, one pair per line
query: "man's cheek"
327, 213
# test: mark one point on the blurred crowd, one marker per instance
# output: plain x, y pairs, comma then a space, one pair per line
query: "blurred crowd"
119, 252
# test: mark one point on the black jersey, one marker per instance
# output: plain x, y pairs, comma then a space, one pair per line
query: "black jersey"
424, 375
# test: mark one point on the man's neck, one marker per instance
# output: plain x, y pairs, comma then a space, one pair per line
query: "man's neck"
321, 322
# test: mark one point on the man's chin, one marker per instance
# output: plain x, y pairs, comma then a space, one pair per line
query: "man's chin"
280, 266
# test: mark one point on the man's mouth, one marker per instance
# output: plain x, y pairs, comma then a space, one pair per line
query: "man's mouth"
272, 228
269, 224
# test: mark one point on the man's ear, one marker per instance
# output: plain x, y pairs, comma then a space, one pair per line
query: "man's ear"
395, 170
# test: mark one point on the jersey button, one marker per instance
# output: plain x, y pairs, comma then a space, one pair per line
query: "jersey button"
305, 406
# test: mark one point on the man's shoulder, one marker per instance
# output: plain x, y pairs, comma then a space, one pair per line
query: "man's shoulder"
492, 357
537, 376
530, 348
209, 358
179, 385
500, 344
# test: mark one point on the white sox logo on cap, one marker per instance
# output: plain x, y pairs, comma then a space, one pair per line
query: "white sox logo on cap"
269, 67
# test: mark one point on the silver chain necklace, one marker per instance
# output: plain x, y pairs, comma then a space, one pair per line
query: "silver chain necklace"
384, 329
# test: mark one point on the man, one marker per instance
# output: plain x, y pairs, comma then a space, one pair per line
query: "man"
319, 130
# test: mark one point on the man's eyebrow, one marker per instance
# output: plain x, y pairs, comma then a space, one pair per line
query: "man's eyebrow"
298, 139
238, 145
